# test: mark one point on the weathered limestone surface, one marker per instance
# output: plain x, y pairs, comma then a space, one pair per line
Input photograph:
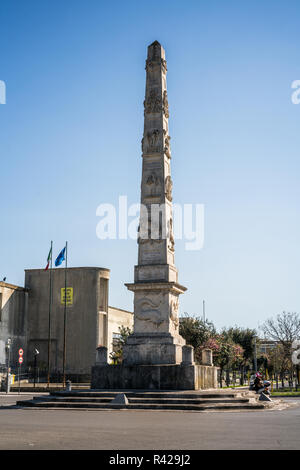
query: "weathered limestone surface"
155, 355
207, 357
156, 338
154, 377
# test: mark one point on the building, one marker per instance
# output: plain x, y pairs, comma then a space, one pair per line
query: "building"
12, 318
90, 321
265, 346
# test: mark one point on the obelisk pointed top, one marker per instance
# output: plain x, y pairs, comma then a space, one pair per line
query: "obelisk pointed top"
156, 51
155, 43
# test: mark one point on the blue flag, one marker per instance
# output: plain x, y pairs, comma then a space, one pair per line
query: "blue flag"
61, 257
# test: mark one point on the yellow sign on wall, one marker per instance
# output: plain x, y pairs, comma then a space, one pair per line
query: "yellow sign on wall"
69, 300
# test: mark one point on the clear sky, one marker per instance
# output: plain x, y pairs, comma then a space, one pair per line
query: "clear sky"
71, 128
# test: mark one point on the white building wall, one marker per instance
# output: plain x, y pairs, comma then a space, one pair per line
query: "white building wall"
117, 318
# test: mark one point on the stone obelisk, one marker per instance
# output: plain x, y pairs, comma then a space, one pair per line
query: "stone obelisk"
156, 338
155, 356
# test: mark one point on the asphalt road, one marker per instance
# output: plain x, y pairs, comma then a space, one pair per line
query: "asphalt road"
140, 430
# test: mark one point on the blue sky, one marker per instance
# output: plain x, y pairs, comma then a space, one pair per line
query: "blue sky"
71, 129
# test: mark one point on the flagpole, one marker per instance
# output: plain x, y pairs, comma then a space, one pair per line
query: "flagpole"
49, 320
65, 320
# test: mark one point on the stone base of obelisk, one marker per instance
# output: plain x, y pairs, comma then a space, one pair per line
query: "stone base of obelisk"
155, 348
154, 377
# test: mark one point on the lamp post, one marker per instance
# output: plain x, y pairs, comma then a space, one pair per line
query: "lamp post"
255, 355
36, 353
8, 345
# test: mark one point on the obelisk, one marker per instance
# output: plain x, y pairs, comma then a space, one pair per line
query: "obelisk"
156, 338
155, 356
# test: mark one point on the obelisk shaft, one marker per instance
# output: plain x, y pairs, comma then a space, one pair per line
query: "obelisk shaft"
156, 338
156, 240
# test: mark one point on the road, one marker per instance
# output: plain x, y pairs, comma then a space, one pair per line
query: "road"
122, 429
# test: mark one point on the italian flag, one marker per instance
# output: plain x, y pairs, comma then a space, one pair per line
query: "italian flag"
49, 259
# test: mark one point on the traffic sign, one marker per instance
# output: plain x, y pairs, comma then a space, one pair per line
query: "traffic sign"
20, 359
21, 352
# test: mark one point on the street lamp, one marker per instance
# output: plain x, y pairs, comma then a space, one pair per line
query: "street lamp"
7, 345
255, 355
36, 353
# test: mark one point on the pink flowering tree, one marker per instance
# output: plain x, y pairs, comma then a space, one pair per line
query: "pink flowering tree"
225, 353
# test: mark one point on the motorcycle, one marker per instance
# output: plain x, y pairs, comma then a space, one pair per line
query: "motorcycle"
265, 388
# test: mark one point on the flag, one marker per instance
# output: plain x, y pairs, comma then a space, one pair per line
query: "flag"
61, 257
49, 258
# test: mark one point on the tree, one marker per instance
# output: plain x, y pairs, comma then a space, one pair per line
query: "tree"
225, 353
278, 363
117, 354
196, 332
284, 329
245, 338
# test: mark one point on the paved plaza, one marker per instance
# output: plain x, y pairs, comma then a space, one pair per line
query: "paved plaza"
139, 430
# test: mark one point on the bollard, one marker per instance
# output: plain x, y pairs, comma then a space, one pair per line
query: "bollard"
187, 355
68, 386
207, 357
101, 356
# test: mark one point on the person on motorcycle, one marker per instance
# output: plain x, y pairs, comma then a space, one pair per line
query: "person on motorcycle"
258, 382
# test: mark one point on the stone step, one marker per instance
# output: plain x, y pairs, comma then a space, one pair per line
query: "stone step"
178, 400
197, 395
188, 401
141, 406
146, 400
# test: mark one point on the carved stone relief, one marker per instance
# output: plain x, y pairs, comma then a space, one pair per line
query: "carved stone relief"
164, 65
155, 62
168, 187
152, 141
152, 186
170, 235
165, 104
174, 304
153, 103
148, 309
146, 236
167, 144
